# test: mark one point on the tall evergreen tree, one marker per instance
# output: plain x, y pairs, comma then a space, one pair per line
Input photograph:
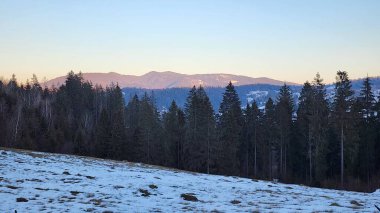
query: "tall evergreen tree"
103, 138
305, 115
151, 131
199, 147
341, 108
367, 126
116, 108
284, 117
229, 130
320, 122
271, 133
174, 135
248, 150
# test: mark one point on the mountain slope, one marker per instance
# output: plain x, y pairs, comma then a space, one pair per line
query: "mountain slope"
162, 80
42, 182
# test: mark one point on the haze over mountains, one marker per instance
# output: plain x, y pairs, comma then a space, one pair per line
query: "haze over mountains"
164, 80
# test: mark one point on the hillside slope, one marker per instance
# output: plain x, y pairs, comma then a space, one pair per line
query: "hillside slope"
43, 182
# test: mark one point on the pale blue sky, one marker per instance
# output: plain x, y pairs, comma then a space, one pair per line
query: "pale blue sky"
283, 39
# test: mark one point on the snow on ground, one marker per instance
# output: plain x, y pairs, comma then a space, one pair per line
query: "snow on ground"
64, 183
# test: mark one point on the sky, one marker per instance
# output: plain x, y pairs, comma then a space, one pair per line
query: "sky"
287, 40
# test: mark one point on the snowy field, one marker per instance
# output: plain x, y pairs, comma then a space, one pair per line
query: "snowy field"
41, 182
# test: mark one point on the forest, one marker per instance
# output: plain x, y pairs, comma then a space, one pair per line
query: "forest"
322, 143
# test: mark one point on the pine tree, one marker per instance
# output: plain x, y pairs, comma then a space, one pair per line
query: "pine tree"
366, 101
246, 146
151, 131
320, 122
135, 139
229, 130
103, 141
284, 117
174, 128
271, 133
341, 108
116, 114
305, 115
248, 150
199, 147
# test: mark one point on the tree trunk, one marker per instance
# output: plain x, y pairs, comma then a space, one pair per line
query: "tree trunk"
208, 147
281, 142
17, 122
341, 156
310, 162
255, 167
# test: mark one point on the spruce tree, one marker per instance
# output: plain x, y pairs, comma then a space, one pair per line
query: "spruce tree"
341, 108
367, 126
199, 147
284, 118
271, 132
320, 125
229, 131
151, 131
116, 107
250, 142
305, 116
173, 127
103, 141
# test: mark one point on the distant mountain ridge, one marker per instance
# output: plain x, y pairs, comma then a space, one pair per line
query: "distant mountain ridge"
168, 79
247, 93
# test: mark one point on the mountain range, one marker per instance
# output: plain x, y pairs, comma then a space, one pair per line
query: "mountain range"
164, 80
168, 86
247, 93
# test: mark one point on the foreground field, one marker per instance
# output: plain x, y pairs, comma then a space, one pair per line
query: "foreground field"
42, 182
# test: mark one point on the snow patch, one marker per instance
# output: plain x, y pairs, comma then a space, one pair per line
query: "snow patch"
43, 182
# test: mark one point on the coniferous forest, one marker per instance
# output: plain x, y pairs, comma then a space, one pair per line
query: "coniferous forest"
333, 144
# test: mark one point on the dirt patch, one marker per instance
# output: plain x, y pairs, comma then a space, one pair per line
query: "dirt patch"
152, 186
189, 197
145, 193
21, 199
235, 202
96, 202
12, 187
75, 193
41, 189
66, 173
356, 203
34, 180
36, 155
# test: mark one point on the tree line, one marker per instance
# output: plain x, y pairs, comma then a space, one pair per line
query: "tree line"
322, 143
